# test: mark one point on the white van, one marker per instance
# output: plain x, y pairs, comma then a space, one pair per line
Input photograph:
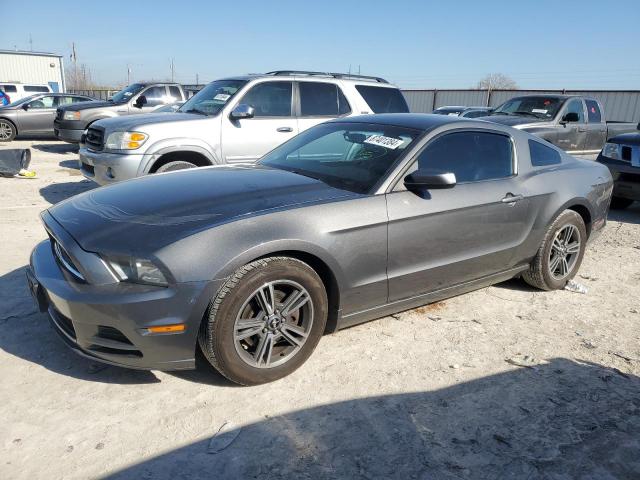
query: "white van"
16, 91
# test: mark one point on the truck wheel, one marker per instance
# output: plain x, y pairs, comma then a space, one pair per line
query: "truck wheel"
560, 254
177, 165
7, 130
619, 203
265, 321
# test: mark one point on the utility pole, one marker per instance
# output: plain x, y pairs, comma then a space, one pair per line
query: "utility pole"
128, 74
172, 70
30, 43
197, 80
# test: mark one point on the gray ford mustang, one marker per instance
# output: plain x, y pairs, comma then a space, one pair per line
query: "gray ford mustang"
351, 220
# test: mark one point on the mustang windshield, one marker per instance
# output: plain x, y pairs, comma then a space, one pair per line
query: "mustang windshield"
211, 99
126, 93
349, 156
539, 107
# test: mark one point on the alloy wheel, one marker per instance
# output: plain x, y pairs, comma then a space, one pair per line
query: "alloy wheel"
564, 252
5, 131
273, 324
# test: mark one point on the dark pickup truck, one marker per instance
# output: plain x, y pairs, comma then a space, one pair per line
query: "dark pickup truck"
573, 123
622, 155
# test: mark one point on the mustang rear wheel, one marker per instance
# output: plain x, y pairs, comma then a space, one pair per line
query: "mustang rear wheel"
265, 321
560, 254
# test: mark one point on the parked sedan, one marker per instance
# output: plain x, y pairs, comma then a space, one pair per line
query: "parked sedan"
349, 221
34, 115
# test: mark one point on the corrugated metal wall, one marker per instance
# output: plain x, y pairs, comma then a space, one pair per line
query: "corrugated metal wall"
31, 68
621, 106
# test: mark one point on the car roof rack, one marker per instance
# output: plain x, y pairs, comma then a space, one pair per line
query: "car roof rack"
327, 74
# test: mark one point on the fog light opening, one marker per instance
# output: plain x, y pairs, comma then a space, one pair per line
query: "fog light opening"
110, 173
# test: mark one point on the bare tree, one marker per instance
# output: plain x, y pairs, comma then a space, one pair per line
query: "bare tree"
78, 77
497, 81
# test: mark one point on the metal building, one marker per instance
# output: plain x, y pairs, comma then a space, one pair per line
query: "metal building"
32, 67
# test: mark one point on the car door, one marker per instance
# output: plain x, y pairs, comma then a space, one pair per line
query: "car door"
154, 96
596, 127
319, 102
273, 123
572, 135
451, 236
38, 116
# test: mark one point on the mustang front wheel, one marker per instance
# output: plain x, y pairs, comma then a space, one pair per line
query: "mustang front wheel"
560, 254
265, 321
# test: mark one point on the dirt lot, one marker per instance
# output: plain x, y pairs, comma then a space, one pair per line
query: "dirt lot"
505, 382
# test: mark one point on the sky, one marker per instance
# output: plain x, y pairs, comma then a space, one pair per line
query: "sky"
568, 44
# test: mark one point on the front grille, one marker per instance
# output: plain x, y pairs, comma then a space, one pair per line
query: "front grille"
88, 169
629, 177
95, 138
65, 260
626, 154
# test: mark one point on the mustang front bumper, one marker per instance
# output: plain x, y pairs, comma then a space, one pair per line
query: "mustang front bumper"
110, 322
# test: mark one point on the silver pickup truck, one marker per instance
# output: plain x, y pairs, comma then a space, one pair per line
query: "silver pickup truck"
573, 123
72, 120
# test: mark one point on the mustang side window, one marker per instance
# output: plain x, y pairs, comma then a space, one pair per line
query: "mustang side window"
471, 156
542, 155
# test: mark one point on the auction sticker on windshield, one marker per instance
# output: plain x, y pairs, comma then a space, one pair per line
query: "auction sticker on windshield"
539, 110
386, 142
223, 97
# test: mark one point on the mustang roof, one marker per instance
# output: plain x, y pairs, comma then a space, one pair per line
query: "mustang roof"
417, 121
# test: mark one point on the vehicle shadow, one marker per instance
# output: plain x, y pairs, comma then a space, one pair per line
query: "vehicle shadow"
60, 148
56, 192
25, 333
563, 419
628, 215
73, 164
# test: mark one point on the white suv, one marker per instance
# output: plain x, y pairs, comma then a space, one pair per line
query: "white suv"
231, 120
17, 91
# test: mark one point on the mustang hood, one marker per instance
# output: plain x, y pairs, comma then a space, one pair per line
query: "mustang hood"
513, 120
160, 209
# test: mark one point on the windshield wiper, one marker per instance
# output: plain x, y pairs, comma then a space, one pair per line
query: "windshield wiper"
194, 110
499, 113
523, 112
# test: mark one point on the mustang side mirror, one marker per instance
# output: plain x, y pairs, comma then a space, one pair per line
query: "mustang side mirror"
140, 101
570, 117
242, 111
424, 179
25, 106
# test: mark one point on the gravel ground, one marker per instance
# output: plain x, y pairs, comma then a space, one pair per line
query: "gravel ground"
504, 382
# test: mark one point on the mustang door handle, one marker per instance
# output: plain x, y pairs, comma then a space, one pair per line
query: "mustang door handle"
284, 129
511, 198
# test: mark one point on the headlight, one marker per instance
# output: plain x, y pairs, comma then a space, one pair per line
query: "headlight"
126, 140
612, 150
136, 270
71, 115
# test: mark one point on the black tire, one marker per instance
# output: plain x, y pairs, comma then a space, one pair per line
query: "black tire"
175, 165
217, 336
539, 274
619, 203
7, 130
